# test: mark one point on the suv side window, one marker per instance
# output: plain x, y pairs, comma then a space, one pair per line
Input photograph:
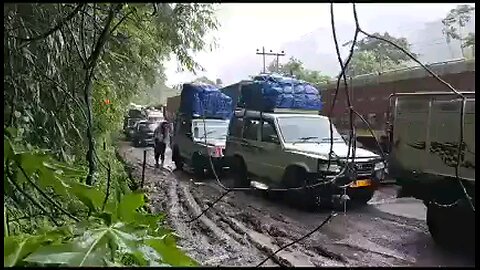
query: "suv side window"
268, 130
250, 129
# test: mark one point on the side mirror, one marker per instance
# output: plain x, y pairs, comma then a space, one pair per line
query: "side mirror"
274, 139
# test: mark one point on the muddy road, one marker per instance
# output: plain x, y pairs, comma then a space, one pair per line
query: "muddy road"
244, 228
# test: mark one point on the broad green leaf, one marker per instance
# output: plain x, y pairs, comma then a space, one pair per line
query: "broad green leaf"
63, 254
93, 247
130, 202
49, 178
90, 196
170, 253
150, 255
150, 220
15, 249
8, 152
11, 131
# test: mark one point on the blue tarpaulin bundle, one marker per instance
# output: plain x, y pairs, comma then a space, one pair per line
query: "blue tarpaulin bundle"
268, 92
198, 100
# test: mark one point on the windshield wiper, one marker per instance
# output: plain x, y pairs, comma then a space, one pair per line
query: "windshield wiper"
304, 139
334, 139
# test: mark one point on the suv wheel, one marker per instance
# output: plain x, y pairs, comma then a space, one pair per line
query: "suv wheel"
239, 170
136, 142
295, 177
197, 165
176, 158
361, 195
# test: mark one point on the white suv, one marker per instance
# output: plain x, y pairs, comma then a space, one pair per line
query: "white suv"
188, 143
285, 150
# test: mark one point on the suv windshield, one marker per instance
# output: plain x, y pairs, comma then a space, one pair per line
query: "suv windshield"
304, 129
214, 131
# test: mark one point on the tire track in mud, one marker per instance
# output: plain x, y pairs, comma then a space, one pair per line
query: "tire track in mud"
269, 238
204, 240
231, 242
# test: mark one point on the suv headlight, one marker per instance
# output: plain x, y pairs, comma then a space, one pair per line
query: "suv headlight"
379, 166
333, 167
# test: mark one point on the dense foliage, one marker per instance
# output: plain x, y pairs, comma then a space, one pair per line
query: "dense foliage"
295, 67
69, 72
454, 24
373, 55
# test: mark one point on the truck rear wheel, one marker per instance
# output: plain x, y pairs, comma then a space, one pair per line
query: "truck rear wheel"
451, 226
439, 225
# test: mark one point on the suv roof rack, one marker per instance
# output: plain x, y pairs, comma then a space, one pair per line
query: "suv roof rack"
280, 110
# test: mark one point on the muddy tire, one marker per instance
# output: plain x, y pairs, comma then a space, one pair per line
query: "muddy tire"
451, 226
177, 159
305, 199
361, 195
197, 165
239, 172
137, 143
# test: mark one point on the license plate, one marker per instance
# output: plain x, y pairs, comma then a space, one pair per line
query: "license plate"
361, 183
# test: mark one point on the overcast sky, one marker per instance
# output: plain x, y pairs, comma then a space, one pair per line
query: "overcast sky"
246, 27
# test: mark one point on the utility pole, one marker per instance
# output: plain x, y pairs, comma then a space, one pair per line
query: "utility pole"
277, 55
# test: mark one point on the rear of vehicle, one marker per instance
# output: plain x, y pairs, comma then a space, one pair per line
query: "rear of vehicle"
132, 118
197, 141
144, 133
200, 127
155, 116
425, 137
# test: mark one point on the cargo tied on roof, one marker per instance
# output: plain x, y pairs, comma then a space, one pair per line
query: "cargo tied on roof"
204, 100
268, 92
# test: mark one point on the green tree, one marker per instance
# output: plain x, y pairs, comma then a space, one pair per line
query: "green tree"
295, 67
70, 71
373, 55
454, 23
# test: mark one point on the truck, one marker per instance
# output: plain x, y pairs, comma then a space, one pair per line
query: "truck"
426, 130
173, 104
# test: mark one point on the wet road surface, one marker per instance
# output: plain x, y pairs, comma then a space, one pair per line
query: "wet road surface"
244, 228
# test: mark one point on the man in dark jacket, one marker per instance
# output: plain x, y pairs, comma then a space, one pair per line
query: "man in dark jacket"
162, 137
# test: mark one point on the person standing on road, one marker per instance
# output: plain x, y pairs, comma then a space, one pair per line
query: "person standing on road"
161, 140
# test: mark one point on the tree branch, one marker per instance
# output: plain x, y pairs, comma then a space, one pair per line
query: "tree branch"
50, 200
89, 72
37, 204
54, 29
120, 22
